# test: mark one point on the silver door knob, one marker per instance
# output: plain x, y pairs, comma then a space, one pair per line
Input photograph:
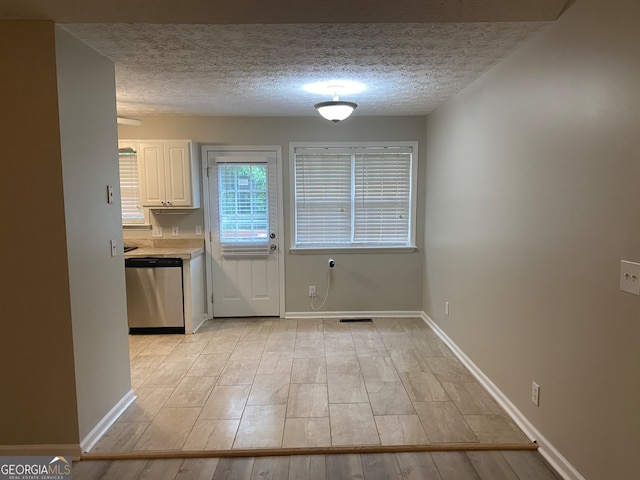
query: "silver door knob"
273, 247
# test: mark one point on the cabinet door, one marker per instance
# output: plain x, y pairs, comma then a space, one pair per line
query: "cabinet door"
152, 175
178, 174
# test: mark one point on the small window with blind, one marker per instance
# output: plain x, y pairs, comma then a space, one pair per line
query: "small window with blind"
354, 195
132, 211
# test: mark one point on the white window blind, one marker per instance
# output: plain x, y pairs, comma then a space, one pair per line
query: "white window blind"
132, 212
353, 197
243, 209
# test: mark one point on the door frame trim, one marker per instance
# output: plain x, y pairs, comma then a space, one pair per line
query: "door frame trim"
277, 149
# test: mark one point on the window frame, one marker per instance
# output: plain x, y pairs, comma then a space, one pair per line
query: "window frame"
412, 224
145, 224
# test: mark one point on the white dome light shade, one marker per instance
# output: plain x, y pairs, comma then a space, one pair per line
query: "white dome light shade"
335, 110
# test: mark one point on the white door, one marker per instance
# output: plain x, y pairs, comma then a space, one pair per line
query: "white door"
243, 214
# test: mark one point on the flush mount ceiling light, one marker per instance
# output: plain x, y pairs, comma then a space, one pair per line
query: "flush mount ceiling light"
335, 110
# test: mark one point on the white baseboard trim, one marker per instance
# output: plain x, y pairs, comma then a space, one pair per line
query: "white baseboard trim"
62, 450
103, 425
384, 314
204, 318
546, 449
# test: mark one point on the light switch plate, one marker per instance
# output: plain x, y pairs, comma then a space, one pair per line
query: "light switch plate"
630, 277
114, 247
109, 193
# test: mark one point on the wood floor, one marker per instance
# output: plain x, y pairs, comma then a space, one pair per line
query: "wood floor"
495, 465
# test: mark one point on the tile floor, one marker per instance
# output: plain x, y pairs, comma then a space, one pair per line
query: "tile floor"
277, 383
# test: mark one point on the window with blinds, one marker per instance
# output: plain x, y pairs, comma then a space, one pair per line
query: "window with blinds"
132, 211
354, 196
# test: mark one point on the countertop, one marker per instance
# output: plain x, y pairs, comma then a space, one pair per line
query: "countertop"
185, 253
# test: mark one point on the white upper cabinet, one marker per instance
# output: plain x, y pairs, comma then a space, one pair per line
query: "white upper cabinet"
169, 174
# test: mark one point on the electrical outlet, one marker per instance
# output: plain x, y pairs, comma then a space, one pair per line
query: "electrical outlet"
312, 291
446, 308
175, 231
198, 229
535, 394
630, 277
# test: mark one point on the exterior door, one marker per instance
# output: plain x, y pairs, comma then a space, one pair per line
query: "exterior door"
243, 210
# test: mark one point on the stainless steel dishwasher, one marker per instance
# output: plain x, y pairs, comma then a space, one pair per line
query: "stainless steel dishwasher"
154, 295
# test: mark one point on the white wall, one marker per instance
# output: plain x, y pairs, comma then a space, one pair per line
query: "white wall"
533, 198
380, 282
88, 135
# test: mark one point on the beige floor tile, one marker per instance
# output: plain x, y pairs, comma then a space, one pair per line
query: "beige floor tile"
148, 403
309, 328
208, 365
408, 360
423, 387
400, 430
449, 370
443, 423
269, 390
352, 424
248, 350
308, 400
388, 325
378, 369
285, 345
191, 392
256, 332
261, 426
162, 345
335, 326
396, 340
346, 362
169, 429
309, 347
470, 398
338, 344
144, 365
275, 363
284, 326
306, 432
185, 352
226, 402
212, 435
239, 372
347, 388
121, 437
430, 347
220, 345
309, 370
167, 375
389, 398
495, 429
369, 346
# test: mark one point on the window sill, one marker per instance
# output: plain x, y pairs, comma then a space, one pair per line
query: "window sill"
325, 250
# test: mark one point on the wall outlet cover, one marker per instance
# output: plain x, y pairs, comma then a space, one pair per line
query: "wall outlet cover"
630, 277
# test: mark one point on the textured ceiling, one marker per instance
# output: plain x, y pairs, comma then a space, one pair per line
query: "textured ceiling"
253, 57
260, 70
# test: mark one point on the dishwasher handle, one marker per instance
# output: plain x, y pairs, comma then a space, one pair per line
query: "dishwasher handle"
152, 262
